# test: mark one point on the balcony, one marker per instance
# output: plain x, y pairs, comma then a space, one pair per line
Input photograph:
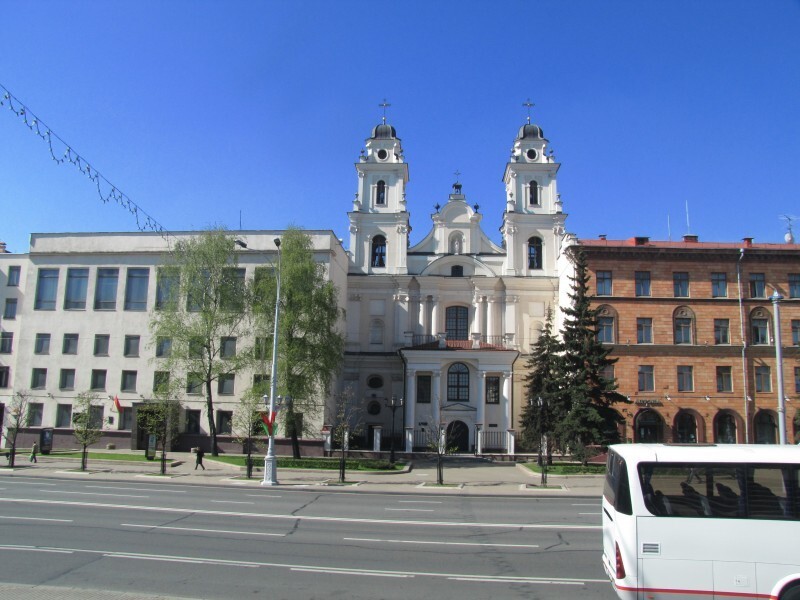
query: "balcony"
476, 342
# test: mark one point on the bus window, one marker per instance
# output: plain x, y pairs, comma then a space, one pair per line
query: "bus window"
617, 489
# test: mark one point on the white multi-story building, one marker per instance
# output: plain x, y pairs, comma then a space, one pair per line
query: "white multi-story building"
441, 325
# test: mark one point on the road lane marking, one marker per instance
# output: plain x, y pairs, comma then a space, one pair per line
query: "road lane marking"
344, 572
440, 543
411, 509
419, 502
402, 523
27, 482
592, 513
262, 496
317, 568
132, 489
593, 504
202, 530
232, 502
93, 494
38, 519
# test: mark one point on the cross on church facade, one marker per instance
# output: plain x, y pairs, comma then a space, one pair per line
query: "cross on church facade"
384, 105
528, 104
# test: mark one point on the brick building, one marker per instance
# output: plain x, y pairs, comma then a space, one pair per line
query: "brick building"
692, 324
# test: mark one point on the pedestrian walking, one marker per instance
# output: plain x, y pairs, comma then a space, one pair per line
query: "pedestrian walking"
199, 459
34, 450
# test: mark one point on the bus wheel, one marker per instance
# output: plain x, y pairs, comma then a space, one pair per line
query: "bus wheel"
792, 592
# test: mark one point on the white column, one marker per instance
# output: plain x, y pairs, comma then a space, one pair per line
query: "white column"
436, 394
376, 438
511, 441
481, 405
400, 318
410, 422
491, 314
475, 315
435, 327
511, 318
424, 315
506, 399
479, 441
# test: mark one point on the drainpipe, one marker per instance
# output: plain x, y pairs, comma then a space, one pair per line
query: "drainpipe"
744, 348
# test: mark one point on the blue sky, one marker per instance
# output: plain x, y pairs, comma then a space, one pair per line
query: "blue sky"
199, 110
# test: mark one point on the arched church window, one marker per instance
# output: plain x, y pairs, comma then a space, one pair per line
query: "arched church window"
458, 383
535, 253
380, 192
533, 193
456, 322
378, 251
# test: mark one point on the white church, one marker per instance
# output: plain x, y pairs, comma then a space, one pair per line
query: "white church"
442, 327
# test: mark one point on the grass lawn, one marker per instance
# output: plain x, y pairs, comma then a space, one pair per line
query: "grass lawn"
331, 464
559, 468
123, 456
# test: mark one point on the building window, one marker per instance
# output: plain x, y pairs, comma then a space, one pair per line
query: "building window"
194, 384
227, 347
10, 309
70, 343
376, 332
493, 390
456, 271
374, 382
167, 283
96, 416
685, 428
4, 376
380, 192
38, 379
66, 379
13, 276
680, 284
125, 418
64, 415
719, 285
758, 286
533, 193
683, 330
763, 379
105, 294
685, 378
260, 382
196, 348
224, 420
722, 331
535, 253
423, 389
605, 330
458, 383
193, 421
725, 428
136, 286
46, 287
98, 382
794, 285
75, 294
796, 379
131, 346
378, 251
163, 346
101, 344
759, 330
642, 279
644, 330
456, 322
724, 379
42, 344
160, 381
646, 378
795, 332
766, 429
604, 283
225, 384
34, 416
128, 381
6, 342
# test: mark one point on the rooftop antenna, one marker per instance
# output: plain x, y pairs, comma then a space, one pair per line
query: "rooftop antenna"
789, 236
528, 104
688, 228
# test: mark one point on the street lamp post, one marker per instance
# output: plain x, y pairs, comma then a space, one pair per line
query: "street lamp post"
776, 298
393, 404
542, 462
270, 462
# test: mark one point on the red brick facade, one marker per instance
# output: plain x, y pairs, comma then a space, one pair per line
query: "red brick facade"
705, 386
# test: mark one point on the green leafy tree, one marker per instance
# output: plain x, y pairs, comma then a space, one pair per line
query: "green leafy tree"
310, 345
247, 425
160, 417
546, 399
590, 418
17, 412
205, 314
87, 423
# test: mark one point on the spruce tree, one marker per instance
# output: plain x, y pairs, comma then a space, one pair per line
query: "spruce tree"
591, 419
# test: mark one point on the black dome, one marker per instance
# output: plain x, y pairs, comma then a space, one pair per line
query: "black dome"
530, 132
384, 132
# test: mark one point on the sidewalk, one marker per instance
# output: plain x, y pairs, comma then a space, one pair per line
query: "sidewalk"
462, 476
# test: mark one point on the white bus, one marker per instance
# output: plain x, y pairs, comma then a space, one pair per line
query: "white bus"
696, 521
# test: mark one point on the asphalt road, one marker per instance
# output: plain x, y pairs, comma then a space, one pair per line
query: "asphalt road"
210, 542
